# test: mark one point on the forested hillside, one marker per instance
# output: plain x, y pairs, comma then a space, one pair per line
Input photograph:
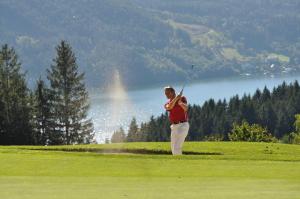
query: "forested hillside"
147, 40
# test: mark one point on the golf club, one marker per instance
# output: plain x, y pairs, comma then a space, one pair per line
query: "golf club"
186, 81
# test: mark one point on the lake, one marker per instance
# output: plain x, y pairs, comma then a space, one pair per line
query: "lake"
116, 108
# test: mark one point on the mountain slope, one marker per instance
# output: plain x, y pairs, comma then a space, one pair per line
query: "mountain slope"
156, 41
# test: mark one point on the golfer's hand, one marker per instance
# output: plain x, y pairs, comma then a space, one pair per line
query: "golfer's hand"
180, 102
183, 105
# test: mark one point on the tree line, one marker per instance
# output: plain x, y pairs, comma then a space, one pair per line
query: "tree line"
272, 113
54, 112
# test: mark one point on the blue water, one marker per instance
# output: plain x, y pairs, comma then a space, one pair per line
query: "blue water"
144, 102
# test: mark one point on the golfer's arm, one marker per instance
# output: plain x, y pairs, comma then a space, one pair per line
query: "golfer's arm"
184, 106
171, 105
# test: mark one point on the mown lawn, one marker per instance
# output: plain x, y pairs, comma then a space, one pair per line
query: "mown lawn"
219, 170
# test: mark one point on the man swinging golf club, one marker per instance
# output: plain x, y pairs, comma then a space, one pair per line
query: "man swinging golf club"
177, 108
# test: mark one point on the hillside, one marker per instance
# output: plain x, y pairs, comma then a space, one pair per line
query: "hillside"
148, 40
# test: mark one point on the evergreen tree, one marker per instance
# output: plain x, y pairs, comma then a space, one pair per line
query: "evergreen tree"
283, 125
118, 136
15, 114
2, 107
44, 117
234, 109
152, 129
247, 110
143, 132
70, 98
221, 125
266, 95
267, 116
132, 135
165, 131
207, 113
194, 120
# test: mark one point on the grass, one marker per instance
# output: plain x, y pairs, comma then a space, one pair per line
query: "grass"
222, 170
233, 54
281, 58
200, 34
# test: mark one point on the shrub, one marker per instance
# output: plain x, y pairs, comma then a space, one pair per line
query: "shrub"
292, 138
250, 133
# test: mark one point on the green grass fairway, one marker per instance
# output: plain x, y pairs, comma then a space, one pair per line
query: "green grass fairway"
219, 170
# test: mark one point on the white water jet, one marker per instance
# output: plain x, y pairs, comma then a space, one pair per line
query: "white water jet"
118, 108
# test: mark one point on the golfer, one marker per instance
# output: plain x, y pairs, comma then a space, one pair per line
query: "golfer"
177, 108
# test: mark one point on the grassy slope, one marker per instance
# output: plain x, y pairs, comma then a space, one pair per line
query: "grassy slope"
244, 170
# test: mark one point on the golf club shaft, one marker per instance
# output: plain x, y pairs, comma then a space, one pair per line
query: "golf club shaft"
186, 81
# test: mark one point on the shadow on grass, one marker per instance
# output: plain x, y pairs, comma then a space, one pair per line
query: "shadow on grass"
124, 151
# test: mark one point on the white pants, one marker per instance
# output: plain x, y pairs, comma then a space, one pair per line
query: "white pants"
178, 135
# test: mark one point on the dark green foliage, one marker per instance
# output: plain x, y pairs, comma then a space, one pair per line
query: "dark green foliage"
15, 109
250, 133
157, 129
293, 137
274, 111
55, 115
133, 131
70, 98
45, 121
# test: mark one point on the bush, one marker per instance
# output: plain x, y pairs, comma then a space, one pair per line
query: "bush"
292, 138
250, 133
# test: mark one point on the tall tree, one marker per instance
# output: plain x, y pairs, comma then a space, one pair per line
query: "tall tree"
44, 118
132, 135
2, 107
70, 98
15, 114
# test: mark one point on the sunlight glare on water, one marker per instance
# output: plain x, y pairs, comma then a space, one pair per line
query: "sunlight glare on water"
115, 111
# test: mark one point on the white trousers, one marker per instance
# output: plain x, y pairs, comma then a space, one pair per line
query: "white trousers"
178, 135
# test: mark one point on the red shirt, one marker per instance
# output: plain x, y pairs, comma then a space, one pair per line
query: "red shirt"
177, 114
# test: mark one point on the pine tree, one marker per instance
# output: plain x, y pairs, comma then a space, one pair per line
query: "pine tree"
267, 116
152, 128
15, 115
143, 132
165, 131
2, 107
132, 135
70, 98
118, 136
44, 117
194, 120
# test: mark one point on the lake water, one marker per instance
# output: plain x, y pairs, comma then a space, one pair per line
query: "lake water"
109, 112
